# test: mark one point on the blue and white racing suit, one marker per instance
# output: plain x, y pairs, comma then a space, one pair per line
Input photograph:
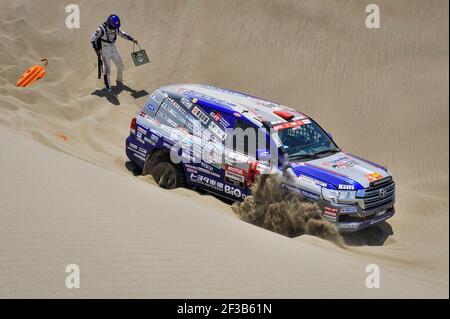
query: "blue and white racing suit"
104, 39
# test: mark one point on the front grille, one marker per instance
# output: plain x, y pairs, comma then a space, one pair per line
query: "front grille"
379, 193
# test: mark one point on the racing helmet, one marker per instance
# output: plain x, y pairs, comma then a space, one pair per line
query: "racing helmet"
113, 21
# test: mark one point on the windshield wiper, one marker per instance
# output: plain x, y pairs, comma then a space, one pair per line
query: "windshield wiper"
304, 156
327, 151
312, 156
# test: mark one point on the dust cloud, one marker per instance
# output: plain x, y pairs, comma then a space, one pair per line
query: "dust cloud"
285, 213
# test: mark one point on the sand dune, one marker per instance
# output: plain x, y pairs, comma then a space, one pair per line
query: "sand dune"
66, 195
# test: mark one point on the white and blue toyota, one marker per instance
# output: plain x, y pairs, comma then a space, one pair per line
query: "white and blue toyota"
219, 140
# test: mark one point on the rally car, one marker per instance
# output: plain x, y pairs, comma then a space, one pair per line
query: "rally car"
220, 140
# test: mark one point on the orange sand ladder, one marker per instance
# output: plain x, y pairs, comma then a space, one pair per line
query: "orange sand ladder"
33, 74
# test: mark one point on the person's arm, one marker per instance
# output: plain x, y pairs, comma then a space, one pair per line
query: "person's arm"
94, 39
126, 36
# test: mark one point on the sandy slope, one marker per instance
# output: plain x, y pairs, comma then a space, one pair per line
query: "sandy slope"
383, 94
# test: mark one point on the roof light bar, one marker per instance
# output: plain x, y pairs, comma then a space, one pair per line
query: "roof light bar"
284, 115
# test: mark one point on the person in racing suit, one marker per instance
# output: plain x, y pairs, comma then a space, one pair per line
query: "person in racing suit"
103, 41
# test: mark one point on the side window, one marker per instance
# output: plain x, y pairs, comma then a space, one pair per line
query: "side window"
245, 139
172, 113
154, 102
303, 134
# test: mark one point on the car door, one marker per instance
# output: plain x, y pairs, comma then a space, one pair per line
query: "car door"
205, 154
240, 158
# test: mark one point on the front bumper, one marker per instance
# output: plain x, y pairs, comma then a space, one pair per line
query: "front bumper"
358, 225
351, 218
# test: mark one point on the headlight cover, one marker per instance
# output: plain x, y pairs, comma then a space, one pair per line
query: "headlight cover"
339, 196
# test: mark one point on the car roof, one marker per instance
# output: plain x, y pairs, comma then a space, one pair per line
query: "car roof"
253, 108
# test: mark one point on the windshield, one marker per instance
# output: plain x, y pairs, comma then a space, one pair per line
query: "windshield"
306, 140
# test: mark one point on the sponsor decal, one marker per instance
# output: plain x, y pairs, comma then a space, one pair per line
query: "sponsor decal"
142, 130
292, 124
330, 214
236, 192
348, 225
234, 175
186, 102
349, 210
154, 137
208, 172
174, 113
219, 119
208, 98
206, 181
142, 158
373, 177
330, 211
140, 138
172, 122
235, 170
381, 213
234, 157
200, 115
346, 187
176, 135
217, 185
151, 142
136, 151
191, 169
207, 166
300, 191
177, 106
190, 123
210, 154
311, 181
155, 98
217, 130
208, 169
341, 163
145, 116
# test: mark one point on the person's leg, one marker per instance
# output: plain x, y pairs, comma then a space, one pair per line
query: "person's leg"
106, 58
118, 62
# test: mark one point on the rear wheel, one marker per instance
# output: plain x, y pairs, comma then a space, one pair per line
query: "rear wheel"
166, 174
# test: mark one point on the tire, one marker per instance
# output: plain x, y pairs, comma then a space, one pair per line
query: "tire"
166, 174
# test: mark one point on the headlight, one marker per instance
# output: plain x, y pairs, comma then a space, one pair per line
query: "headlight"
339, 196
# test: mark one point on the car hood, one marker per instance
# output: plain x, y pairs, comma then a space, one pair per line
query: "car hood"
342, 170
